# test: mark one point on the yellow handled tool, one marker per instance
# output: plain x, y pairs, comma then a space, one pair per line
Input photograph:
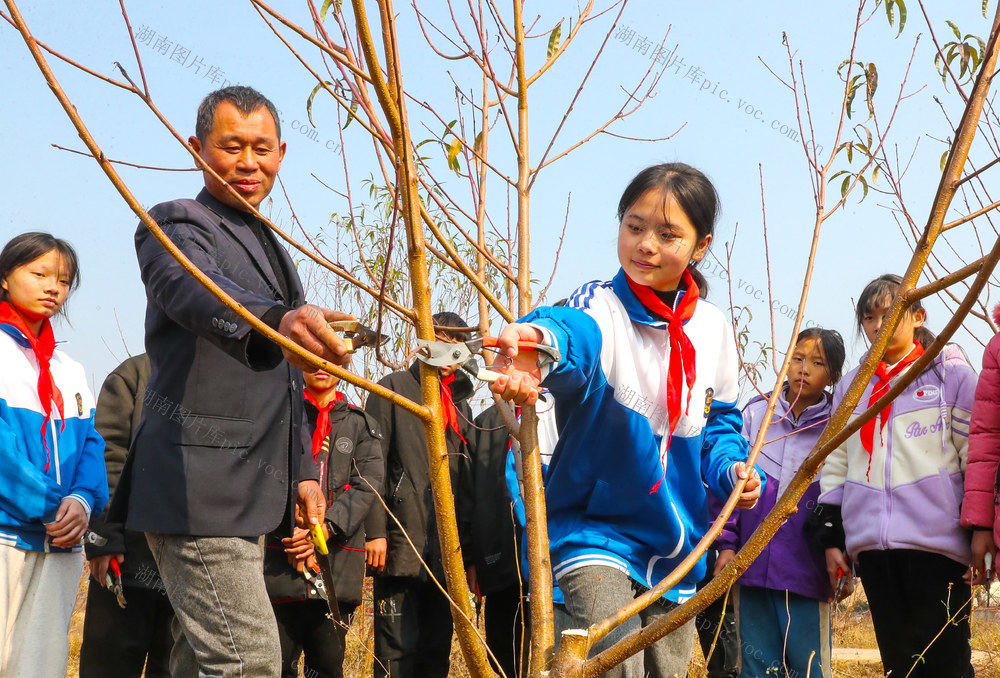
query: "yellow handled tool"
319, 539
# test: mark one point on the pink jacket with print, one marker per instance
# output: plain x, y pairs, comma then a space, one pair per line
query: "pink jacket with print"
979, 508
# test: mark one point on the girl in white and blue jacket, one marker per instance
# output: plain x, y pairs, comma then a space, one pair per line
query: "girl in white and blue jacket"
51, 456
645, 395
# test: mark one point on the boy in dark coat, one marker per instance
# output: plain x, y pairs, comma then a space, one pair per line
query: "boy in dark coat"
118, 642
413, 623
345, 445
493, 554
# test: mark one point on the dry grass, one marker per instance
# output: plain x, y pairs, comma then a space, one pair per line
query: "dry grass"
852, 628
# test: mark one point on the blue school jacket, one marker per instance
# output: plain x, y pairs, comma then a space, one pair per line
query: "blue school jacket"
617, 495
30, 494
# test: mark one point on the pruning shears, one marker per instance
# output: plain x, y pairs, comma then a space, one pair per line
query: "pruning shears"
357, 335
326, 573
113, 581
838, 594
445, 353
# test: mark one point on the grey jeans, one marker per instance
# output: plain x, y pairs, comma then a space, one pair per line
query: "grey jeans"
223, 626
594, 593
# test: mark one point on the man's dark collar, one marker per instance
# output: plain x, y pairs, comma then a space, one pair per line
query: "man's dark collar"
221, 208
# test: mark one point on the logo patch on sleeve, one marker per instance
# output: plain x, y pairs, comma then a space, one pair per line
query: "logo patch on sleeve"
79, 405
709, 394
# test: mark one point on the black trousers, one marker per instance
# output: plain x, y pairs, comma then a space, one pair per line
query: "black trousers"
118, 642
503, 613
303, 626
918, 599
724, 661
413, 628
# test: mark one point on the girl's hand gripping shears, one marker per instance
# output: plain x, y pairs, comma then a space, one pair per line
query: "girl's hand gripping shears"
444, 353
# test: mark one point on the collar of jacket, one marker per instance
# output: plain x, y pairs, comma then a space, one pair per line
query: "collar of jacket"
461, 388
16, 335
782, 409
637, 313
221, 208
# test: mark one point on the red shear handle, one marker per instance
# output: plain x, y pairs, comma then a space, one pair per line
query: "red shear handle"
115, 567
550, 351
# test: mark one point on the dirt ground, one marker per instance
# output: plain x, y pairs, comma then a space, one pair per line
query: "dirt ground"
855, 651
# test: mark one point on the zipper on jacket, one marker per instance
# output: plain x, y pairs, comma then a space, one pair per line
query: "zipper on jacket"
55, 451
395, 490
887, 479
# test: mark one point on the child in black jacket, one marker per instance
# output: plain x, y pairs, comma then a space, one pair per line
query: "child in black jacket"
345, 445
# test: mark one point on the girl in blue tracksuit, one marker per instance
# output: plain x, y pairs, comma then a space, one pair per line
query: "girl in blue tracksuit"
51, 455
645, 396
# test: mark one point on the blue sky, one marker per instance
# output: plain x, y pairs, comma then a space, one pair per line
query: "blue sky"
732, 114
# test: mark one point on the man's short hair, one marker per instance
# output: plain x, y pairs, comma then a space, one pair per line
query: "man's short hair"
247, 99
449, 319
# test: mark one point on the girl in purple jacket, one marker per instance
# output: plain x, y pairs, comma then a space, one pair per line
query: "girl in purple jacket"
782, 604
896, 486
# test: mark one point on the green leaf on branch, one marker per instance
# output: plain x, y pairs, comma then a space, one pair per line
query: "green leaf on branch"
944, 160
351, 111
309, 101
844, 186
324, 8
554, 37
890, 12
871, 81
453, 148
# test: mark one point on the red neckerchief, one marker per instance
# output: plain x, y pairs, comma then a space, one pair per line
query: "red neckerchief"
448, 408
884, 375
43, 347
682, 353
322, 429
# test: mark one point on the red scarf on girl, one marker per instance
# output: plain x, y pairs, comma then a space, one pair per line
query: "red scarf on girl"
323, 425
682, 353
448, 406
43, 347
884, 375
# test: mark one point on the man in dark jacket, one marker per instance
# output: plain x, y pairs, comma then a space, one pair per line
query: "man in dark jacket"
413, 623
218, 459
118, 643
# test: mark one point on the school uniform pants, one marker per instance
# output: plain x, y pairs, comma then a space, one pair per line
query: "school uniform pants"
223, 622
303, 626
412, 628
595, 592
920, 609
782, 634
37, 594
119, 642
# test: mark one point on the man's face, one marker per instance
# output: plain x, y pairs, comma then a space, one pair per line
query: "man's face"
244, 150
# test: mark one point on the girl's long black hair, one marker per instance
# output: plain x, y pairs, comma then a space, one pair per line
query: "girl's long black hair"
25, 248
693, 192
881, 291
